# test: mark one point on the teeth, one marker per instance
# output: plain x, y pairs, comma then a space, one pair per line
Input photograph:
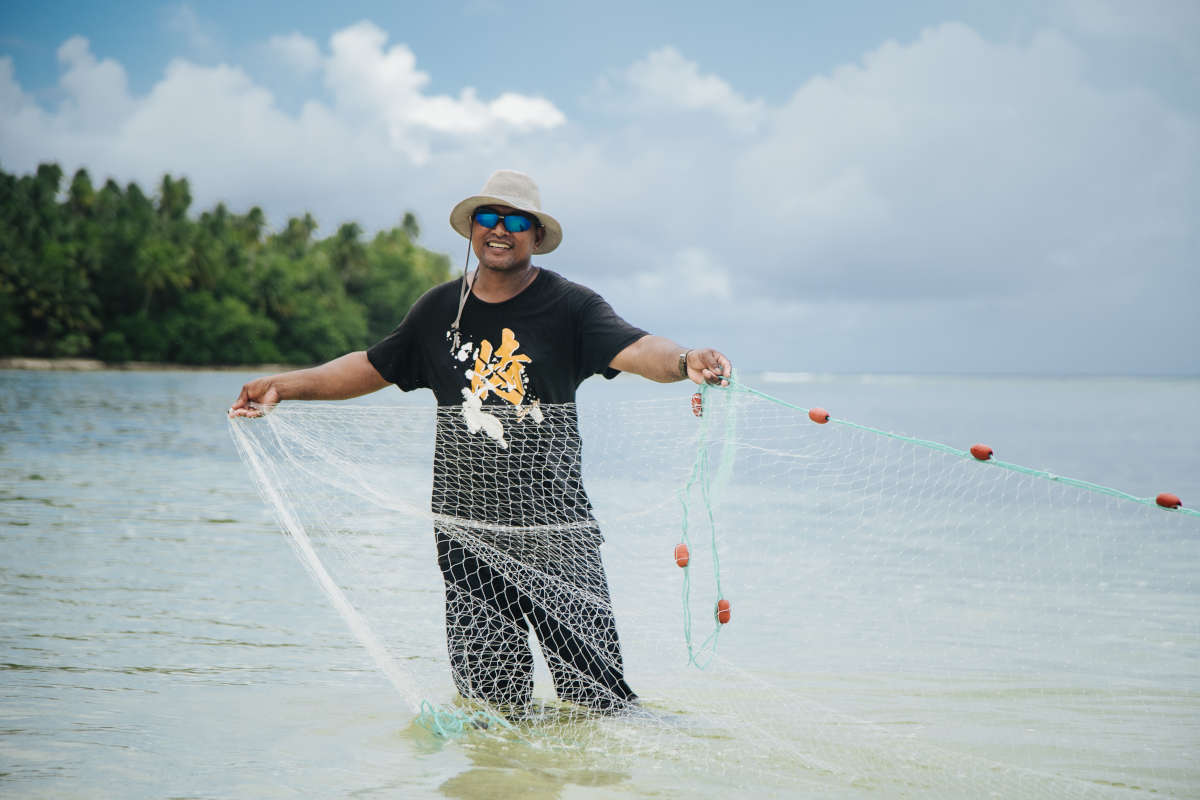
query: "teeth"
499, 245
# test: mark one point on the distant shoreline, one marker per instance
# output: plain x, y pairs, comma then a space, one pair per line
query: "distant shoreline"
766, 377
96, 365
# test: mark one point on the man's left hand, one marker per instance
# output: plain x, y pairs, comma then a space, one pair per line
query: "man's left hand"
708, 366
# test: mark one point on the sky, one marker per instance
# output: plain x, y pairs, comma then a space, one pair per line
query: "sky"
925, 187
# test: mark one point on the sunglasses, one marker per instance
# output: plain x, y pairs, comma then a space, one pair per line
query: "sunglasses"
513, 223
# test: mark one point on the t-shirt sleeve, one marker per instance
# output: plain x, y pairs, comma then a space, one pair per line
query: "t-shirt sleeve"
398, 356
602, 334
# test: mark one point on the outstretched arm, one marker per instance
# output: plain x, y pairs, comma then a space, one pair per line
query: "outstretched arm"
657, 358
349, 376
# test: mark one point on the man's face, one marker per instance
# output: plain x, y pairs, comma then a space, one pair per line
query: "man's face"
500, 249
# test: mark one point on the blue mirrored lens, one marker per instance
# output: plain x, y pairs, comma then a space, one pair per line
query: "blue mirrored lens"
515, 223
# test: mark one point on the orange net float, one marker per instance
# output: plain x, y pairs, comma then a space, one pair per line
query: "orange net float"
682, 556
697, 405
723, 611
818, 415
981, 451
1168, 500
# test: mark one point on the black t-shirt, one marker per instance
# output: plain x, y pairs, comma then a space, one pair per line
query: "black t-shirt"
537, 346
500, 456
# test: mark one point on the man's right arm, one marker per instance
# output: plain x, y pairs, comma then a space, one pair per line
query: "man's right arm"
349, 376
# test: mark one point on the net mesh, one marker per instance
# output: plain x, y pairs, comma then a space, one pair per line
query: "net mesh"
901, 616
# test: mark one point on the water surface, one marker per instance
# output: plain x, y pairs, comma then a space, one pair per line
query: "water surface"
159, 639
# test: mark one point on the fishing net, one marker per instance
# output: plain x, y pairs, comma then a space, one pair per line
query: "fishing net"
859, 612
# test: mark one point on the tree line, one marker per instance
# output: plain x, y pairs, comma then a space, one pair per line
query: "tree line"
117, 275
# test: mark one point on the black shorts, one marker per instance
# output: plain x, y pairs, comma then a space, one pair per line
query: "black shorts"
497, 585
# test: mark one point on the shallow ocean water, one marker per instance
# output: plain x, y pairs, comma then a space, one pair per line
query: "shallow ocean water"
159, 639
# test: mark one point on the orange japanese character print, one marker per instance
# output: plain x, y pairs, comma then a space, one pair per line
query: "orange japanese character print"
500, 370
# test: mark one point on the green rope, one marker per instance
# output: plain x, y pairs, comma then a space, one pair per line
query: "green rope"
1036, 473
701, 478
700, 655
687, 569
450, 723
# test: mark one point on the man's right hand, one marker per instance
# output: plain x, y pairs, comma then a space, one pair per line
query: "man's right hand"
349, 376
255, 394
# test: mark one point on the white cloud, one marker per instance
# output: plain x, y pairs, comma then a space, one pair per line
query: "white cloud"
1175, 22
12, 100
690, 274
182, 19
953, 167
385, 86
24, 127
526, 113
364, 75
225, 131
940, 199
97, 91
950, 202
664, 79
296, 52
176, 122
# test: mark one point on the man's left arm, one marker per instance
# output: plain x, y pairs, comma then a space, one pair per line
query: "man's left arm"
660, 359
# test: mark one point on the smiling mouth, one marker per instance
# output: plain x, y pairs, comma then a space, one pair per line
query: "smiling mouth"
499, 245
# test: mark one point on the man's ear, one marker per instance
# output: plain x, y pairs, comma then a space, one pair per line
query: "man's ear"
539, 234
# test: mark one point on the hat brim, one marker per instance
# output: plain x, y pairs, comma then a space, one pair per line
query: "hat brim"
460, 219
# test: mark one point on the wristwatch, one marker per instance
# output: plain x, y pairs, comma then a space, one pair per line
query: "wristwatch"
683, 364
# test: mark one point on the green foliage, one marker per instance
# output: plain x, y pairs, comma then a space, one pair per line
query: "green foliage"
203, 328
112, 274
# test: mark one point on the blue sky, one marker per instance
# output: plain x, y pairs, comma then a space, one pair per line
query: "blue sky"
879, 187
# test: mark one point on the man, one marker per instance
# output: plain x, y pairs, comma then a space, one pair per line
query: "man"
504, 353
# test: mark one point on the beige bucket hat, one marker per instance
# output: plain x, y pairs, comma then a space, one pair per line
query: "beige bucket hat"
517, 190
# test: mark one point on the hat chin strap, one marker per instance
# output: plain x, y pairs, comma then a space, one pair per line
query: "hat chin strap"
463, 292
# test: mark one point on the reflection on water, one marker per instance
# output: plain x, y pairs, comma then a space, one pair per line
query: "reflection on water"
158, 638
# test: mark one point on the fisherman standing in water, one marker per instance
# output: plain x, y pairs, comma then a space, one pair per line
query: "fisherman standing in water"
504, 351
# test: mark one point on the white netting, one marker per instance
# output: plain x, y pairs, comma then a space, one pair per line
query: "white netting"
902, 618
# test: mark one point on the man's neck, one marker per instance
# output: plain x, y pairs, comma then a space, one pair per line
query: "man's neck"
496, 286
